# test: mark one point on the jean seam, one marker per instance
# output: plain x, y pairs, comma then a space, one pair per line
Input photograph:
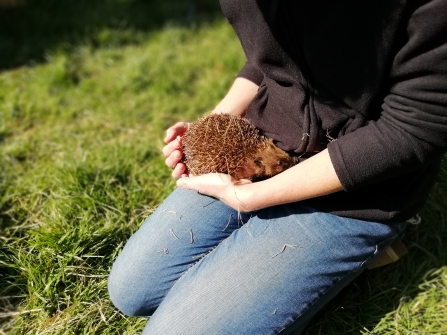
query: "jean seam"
338, 280
377, 250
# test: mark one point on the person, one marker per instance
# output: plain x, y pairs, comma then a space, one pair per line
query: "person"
358, 91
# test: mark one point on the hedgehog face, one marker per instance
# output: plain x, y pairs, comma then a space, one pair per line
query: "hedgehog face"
268, 161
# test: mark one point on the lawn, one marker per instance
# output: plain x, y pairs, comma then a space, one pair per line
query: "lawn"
87, 89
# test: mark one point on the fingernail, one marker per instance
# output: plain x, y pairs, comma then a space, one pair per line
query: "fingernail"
179, 140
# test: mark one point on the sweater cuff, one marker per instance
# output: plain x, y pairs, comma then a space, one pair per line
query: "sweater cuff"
252, 73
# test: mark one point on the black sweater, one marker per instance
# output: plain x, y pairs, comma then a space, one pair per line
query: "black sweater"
366, 79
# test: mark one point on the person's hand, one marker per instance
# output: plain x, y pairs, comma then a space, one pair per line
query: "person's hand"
220, 186
173, 149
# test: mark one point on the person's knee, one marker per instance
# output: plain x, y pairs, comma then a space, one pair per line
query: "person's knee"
126, 294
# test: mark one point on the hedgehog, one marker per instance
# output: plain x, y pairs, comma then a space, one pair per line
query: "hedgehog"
229, 144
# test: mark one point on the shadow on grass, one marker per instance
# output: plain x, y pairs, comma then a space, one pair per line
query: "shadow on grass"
364, 303
30, 29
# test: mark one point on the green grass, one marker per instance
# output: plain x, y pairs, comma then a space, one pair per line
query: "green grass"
86, 92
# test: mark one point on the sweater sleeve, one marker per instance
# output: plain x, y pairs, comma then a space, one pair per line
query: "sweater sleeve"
252, 73
412, 129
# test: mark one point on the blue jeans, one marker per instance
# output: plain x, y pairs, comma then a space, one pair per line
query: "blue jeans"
197, 266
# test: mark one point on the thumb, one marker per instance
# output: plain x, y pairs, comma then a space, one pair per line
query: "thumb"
186, 182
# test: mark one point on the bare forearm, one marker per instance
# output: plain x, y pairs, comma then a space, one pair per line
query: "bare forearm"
312, 178
238, 97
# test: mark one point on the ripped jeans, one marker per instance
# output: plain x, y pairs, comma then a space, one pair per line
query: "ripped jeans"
198, 267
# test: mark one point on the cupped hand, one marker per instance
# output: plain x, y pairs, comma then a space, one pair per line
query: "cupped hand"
220, 186
173, 149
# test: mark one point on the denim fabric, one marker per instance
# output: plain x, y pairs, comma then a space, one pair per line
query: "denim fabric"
199, 267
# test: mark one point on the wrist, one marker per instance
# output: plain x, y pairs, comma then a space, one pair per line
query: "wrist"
247, 196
